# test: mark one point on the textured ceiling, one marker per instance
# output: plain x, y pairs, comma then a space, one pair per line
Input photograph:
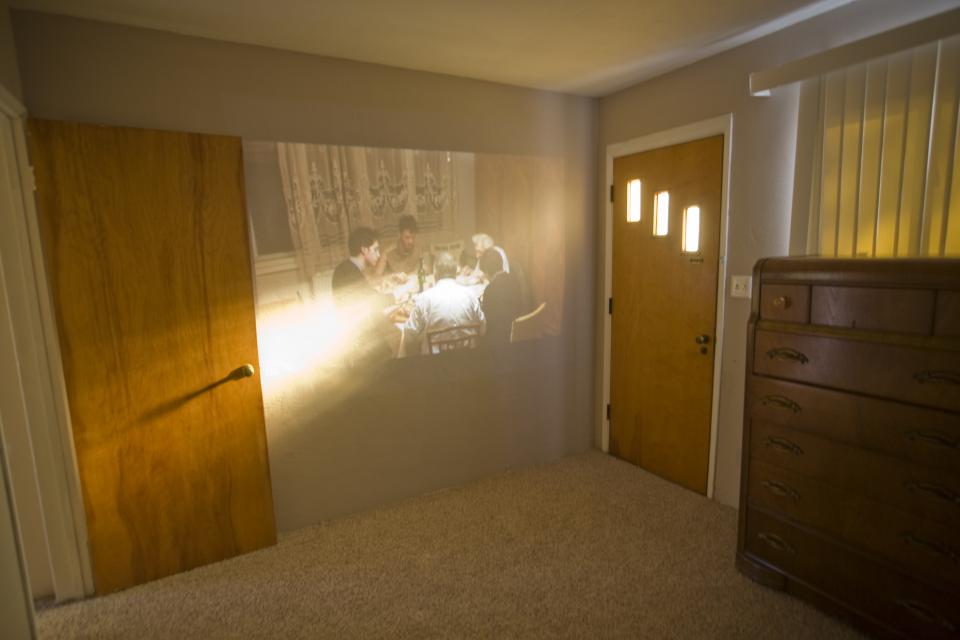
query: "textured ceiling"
590, 47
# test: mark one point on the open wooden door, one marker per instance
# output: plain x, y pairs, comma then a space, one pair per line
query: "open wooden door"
145, 241
664, 308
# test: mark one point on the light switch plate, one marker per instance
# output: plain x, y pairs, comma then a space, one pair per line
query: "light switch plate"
741, 286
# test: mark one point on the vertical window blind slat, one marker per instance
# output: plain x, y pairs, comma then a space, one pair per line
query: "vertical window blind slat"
848, 201
891, 171
874, 100
813, 212
832, 157
951, 241
916, 144
943, 133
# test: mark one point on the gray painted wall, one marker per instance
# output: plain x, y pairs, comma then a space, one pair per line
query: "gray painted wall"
764, 143
426, 423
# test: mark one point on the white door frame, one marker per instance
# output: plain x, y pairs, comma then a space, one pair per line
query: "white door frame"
705, 128
40, 364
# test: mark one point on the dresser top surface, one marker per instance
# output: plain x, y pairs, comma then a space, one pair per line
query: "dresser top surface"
939, 273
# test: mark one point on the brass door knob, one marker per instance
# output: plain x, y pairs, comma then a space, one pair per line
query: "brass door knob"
702, 339
241, 372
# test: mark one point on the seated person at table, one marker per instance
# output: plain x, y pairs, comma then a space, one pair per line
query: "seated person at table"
360, 305
406, 255
502, 299
482, 243
446, 304
348, 277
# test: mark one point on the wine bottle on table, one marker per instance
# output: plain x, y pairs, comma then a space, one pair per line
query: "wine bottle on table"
421, 274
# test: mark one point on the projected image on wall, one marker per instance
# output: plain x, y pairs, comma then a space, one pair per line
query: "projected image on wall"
364, 255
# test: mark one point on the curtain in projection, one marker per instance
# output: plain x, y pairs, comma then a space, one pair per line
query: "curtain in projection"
882, 158
330, 190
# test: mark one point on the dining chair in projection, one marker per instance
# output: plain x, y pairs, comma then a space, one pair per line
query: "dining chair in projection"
461, 336
528, 327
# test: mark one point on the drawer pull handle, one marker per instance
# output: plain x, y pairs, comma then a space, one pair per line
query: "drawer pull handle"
784, 445
932, 547
937, 377
776, 542
779, 489
781, 302
923, 612
786, 353
934, 438
783, 402
935, 490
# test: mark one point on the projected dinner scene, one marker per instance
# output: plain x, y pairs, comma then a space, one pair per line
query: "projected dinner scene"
364, 254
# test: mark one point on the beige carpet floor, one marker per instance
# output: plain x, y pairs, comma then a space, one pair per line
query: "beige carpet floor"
587, 547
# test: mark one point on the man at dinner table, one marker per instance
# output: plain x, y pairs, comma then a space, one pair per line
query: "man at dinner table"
359, 304
406, 255
502, 298
445, 305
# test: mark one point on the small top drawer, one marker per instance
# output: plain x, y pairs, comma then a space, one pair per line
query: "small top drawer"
873, 308
785, 302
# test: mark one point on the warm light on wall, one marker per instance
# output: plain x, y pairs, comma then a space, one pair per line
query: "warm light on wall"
691, 230
634, 193
661, 213
300, 339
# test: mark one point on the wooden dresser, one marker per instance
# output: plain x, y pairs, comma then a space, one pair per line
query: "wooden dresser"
850, 486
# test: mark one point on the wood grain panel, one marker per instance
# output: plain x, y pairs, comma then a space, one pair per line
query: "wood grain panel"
873, 309
661, 379
947, 321
145, 239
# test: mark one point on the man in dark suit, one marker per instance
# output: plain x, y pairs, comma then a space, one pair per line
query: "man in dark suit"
361, 305
502, 299
348, 278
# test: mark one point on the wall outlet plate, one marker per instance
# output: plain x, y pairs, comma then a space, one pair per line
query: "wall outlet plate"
741, 286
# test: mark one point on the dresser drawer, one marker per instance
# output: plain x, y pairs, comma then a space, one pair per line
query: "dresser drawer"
785, 302
920, 547
873, 590
947, 321
933, 494
924, 436
922, 376
873, 309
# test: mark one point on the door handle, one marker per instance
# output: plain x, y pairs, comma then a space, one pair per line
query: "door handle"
702, 339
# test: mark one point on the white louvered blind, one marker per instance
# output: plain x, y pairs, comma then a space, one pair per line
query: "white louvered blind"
882, 167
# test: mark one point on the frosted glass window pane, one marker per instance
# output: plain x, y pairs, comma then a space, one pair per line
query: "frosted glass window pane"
691, 230
634, 191
661, 213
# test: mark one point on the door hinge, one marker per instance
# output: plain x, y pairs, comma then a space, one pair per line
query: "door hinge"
611, 193
610, 306
608, 411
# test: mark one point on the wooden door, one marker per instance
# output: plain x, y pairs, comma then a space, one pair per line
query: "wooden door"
145, 241
664, 310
